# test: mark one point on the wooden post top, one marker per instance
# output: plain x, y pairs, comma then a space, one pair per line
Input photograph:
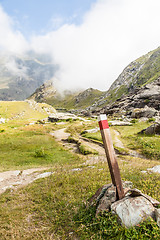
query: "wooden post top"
102, 117
103, 123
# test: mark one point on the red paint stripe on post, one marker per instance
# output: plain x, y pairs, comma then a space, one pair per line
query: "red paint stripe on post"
103, 124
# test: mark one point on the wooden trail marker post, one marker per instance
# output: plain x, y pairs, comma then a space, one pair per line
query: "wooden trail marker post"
110, 154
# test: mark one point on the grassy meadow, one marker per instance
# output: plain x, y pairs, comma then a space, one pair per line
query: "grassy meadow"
56, 207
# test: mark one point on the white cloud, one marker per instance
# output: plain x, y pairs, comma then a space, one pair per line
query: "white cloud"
93, 54
10, 39
15, 68
113, 33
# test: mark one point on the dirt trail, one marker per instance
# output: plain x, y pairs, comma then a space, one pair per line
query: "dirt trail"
60, 134
117, 141
17, 178
94, 146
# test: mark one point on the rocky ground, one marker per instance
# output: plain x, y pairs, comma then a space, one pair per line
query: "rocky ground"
141, 102
18, 178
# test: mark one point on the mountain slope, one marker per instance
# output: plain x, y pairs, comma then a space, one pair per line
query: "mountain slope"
137, 74
20, 76
77, 100
135, 77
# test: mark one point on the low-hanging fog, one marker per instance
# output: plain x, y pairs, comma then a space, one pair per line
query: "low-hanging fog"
92, 54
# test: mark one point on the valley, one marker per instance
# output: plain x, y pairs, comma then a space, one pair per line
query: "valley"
55, 205
52, 158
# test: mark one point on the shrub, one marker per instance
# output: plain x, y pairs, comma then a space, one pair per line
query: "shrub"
133, 120
40, 153
151, 120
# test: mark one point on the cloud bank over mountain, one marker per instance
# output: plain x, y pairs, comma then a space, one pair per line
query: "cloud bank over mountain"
93, 54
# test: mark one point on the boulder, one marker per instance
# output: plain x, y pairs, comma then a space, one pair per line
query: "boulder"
61, 117
106, 201
133, 210
143, 112
153, 129
106, 195
93, 130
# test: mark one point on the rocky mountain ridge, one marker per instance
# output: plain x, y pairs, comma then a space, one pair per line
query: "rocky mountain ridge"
136, 87
68, 100
142, 102
140, 72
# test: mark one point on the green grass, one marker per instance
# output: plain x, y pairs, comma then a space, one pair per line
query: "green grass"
20, 110
95, 136
146, 144
56, 207
21, 148
85, 150
69, 101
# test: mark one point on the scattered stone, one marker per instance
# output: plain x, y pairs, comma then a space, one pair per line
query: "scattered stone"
41, 121
135, 193
99, 194
76, 169
155, 169
94, 130
2, 120
61, 117
91, 167
143, 171
119, 123
32, 123
43, 175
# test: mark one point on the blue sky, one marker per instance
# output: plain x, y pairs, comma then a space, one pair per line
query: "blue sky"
91, 41
40, 16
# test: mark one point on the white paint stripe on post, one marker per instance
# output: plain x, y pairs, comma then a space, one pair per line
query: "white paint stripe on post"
110, 154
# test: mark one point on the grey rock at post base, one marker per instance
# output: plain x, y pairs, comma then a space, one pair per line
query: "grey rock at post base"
107, 195
134, 208
132, 211
108, 198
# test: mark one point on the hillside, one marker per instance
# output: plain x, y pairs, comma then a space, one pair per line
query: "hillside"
24, 110
68, 100
46, 184
21, 75
139, 80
